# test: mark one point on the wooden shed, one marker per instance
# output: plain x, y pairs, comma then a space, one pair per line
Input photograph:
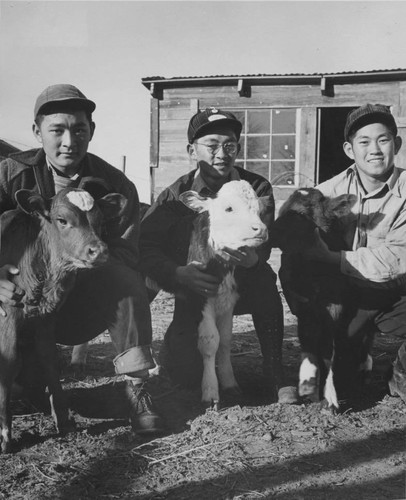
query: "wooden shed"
292, 124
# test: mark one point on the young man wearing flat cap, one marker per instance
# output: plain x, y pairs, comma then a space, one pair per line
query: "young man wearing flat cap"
113, 296
375, 230
213, 146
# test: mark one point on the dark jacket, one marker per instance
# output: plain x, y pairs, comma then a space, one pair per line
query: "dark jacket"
29, 170
167, 227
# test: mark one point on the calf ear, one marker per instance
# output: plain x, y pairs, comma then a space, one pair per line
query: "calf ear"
32, 203
266, 209
112, 205
194, 201
341, 205
95, 186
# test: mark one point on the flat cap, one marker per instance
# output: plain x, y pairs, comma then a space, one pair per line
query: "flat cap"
201, 123
367, 114
62, 92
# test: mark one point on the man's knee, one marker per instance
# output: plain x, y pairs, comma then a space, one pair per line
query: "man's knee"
100, 298
393, 319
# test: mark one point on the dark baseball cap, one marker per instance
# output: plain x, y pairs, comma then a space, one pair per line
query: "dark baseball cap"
62, 92
367, 114
201, 123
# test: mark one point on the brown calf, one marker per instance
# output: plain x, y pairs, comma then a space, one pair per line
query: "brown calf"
47, 242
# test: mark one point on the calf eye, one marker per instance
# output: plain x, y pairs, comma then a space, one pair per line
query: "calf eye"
62, 222
229, 209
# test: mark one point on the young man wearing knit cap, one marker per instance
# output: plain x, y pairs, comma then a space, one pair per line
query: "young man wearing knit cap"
110, 297
213, 146
375, 230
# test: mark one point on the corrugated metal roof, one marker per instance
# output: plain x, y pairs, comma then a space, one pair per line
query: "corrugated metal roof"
275, 74
343, 76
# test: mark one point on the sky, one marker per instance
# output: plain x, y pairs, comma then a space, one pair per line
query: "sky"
105, 48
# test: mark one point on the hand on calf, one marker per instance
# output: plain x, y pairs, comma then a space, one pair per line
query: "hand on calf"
320, 252
195, 277
245, 256
10, 293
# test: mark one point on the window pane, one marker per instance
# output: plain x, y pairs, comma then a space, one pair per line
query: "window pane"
257, 147
259, 167
284, 121
283, 147
240, 115
242, 150
259, 122
283, 173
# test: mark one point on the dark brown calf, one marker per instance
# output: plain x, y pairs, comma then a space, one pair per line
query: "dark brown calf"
317, 293
47, 242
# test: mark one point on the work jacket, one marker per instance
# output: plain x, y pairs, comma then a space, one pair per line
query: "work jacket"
167, 226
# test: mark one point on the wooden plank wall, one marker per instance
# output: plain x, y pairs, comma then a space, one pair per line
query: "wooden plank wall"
169, 158
399, 112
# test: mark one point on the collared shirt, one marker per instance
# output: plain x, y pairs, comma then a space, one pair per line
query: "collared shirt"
201, 187
62, 181
374, 230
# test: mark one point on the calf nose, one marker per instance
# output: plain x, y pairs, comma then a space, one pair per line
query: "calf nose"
259, 229
97, 251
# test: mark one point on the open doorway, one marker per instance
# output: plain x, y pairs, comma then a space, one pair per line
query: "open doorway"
331, 157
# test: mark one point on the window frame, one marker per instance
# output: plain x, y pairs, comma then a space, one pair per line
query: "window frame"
242, 159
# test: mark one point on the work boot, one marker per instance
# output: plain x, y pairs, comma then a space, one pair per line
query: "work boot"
144, 418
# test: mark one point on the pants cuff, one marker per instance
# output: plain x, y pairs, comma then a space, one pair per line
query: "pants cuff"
134, 360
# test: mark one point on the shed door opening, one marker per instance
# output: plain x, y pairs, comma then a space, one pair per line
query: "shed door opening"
331, 157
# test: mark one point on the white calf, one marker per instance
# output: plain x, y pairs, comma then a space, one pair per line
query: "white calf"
230, 220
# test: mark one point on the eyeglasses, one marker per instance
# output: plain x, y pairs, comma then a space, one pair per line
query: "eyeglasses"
229, 148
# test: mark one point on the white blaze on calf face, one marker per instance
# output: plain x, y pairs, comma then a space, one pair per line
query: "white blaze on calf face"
234, 217
81, 199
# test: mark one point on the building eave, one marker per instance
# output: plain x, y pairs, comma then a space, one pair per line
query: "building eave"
289, 79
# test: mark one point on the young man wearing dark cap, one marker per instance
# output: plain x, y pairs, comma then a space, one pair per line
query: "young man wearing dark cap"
375, 230
213, 146
113, 296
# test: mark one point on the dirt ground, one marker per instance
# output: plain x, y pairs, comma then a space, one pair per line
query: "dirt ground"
251, 449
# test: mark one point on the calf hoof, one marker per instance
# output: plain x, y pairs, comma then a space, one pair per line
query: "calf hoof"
214, 405
328, 407
288, 395
5, 446
309, 389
